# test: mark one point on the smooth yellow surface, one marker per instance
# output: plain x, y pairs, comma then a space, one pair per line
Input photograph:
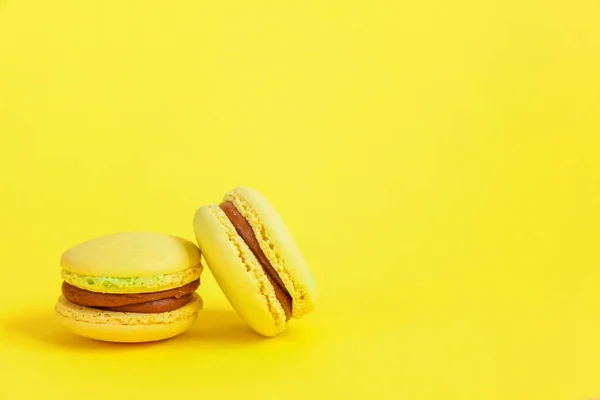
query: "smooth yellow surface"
131, 254
238, 272
278, 245
119, 327
436, 161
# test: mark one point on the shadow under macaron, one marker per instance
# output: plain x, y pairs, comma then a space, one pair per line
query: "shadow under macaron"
212, 326
42, 327
222, 326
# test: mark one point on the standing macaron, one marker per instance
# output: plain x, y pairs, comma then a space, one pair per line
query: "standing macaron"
255, 260
130, 287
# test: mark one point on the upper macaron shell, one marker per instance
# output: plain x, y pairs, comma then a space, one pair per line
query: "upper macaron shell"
131, 254
279, 246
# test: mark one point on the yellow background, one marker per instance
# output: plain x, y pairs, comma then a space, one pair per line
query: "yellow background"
437, 162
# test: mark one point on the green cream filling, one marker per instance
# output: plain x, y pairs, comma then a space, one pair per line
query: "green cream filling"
138, 284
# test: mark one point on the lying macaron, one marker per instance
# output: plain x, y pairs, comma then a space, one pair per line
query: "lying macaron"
130, 287
255, 260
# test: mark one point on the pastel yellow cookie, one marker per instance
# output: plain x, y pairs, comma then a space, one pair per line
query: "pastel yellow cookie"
255, 260
130, 287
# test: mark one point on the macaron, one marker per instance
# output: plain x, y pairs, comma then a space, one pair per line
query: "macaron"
255, 260
130, 287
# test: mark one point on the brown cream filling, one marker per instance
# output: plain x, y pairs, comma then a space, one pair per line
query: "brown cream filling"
157, 302
245, 231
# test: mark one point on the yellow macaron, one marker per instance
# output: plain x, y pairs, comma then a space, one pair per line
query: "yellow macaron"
255, 260
130, 287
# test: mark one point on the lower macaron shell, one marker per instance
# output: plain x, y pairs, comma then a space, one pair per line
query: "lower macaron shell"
128, 333
127, 327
